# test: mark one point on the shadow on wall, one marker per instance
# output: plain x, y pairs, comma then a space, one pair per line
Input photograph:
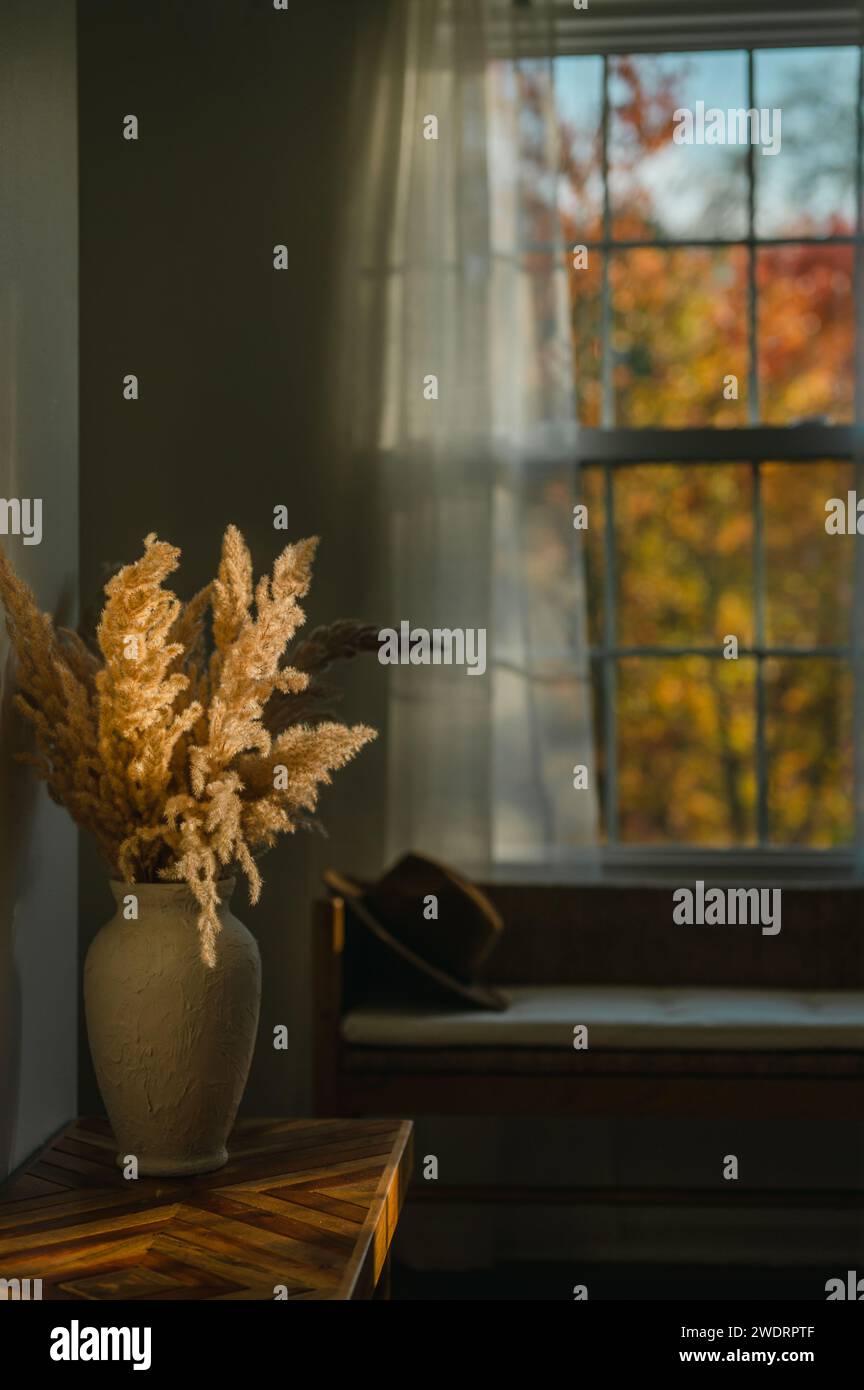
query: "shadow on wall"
17, 804
38, 460
24, 851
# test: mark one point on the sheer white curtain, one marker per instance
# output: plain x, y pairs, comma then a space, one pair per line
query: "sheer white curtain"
454, 271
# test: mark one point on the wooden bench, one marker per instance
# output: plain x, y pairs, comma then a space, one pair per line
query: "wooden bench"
619, 943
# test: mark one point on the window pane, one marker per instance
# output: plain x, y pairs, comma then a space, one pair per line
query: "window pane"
592, 492
579, 106
599, 712
586, 310
538, 574
808, 189
524, 187
536, 807
538, 345
679, 334
686, 763
809, 746
806, 333
659, 188
809, 575
684, 553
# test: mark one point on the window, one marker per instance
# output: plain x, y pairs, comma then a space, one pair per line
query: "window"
714, 343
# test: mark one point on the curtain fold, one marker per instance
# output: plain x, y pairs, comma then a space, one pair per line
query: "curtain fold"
457, 395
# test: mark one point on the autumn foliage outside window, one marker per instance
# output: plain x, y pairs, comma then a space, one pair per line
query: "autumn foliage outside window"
706, 263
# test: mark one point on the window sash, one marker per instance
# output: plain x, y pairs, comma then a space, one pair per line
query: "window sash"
611, 449
614, 447
618, 447
620, 26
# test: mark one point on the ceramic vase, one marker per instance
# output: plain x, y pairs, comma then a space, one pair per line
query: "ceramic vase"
171, 1037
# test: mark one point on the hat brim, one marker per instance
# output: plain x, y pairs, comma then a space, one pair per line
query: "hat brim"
479, 996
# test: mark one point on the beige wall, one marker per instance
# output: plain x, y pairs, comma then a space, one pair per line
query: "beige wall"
38, 458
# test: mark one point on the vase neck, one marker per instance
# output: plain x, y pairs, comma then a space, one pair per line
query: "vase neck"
166, 897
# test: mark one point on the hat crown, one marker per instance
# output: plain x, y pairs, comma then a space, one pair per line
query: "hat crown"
438, 914
427, 930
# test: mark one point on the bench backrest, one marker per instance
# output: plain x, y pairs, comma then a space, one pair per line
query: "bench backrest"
625, 935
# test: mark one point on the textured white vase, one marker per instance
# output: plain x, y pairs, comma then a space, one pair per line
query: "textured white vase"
171, 1037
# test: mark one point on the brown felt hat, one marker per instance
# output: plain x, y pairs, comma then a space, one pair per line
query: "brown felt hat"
440, 955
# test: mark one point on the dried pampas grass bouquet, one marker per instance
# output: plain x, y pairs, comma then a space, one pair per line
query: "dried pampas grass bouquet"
186, 737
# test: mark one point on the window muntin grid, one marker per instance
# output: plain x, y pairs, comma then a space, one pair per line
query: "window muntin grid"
621, 448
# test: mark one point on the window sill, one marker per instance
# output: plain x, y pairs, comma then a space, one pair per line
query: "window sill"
619, 868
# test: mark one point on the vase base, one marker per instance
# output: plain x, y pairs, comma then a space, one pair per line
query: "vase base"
156, 1167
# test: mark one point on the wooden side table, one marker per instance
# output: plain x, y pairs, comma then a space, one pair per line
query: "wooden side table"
304, 1209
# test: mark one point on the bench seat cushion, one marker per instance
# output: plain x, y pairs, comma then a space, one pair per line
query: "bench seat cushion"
681, 1019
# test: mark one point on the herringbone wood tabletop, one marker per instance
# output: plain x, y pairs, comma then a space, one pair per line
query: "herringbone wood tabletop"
310, 1205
